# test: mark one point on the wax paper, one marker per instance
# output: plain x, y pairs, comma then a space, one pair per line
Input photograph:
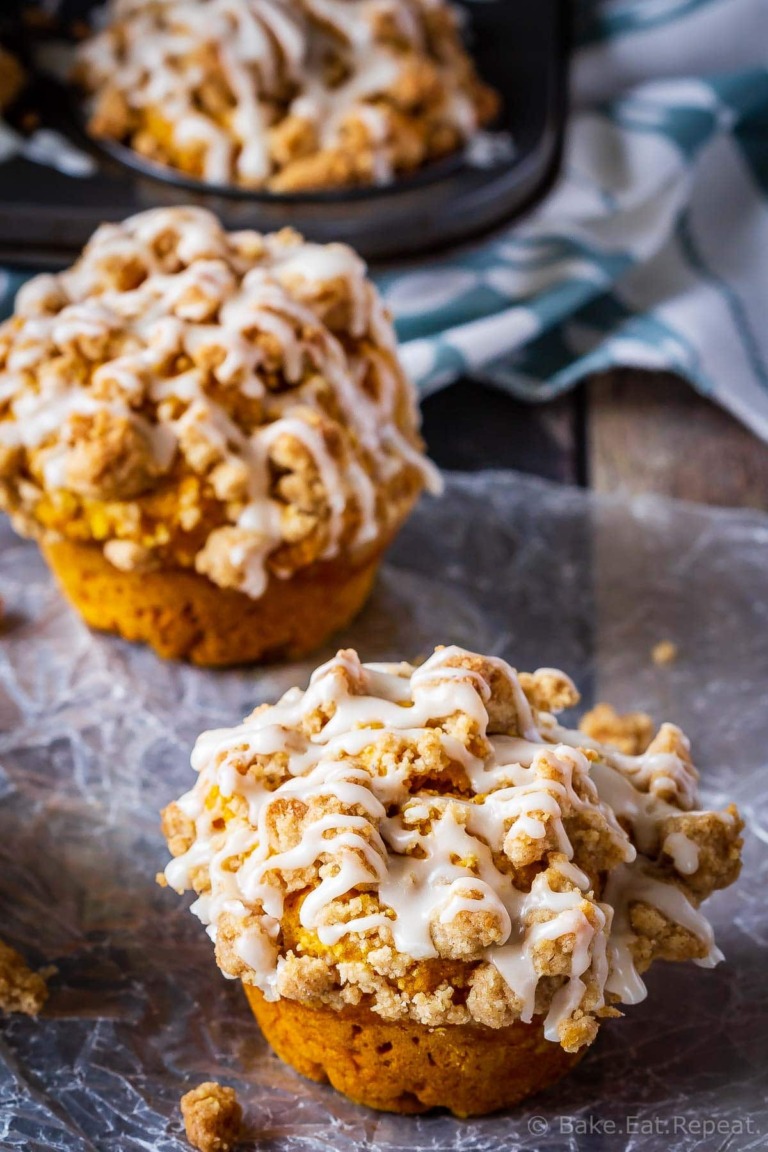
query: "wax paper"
95, 737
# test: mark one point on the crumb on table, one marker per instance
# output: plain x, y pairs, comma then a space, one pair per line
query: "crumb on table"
212, 1117
665, 652
630, 732
21, 989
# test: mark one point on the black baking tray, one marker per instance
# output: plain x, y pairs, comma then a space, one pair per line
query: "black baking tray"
520, 48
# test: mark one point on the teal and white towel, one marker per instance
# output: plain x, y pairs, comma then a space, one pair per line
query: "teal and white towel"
652, 249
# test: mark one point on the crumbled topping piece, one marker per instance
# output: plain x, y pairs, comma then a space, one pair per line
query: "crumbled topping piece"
429, 842
665, 652
307, 94
630, 732
21, 989
212, 1117
549, 690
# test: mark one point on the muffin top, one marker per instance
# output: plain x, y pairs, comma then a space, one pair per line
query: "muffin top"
291, 94
429, 841
192, 398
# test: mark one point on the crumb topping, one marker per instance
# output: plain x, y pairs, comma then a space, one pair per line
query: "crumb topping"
212, 1117
665, 652
630, 732
287, 94
21, 989
229, 402
430, 842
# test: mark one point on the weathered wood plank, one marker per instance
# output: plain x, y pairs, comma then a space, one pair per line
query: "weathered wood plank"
651, 432
470, 426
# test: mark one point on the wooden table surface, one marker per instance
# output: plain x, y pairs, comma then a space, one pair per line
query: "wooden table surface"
624, 431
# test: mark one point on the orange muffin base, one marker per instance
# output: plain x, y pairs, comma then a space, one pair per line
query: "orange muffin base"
406, 1067
184, 616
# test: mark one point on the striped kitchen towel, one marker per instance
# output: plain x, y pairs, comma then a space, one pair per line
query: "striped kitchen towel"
652, 249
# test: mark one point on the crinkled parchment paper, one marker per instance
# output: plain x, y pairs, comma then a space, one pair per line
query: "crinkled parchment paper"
95, 737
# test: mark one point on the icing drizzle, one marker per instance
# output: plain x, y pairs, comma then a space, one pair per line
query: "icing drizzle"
437, 861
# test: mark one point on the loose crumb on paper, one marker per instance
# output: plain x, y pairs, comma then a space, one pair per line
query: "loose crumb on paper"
630, 732
665, 652
21, 989
212, 1117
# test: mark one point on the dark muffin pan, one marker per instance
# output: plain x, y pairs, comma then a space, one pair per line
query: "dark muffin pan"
520, 48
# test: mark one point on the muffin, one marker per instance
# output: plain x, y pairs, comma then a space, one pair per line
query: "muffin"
287, 95
432, 892
210, 435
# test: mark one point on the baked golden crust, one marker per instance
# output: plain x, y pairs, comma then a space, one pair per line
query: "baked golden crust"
631, 732
183, 616
428, 844
405, 1067
285, 94
230, 404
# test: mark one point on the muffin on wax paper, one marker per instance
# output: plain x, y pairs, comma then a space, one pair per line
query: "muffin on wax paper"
209, 434
432, 892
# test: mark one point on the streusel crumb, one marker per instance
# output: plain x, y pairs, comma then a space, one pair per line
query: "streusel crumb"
665, 652
212, 1117
188, 398
21, 989
630, 732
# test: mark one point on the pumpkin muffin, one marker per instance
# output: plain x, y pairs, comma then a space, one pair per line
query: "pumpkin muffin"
432, 892
287, 95
210, 435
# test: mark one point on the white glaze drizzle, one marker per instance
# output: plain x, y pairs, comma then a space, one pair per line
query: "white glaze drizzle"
432, 859
684, 852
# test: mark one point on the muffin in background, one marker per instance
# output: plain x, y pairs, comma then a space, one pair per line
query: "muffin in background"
432, 892
209, 434
288, 95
